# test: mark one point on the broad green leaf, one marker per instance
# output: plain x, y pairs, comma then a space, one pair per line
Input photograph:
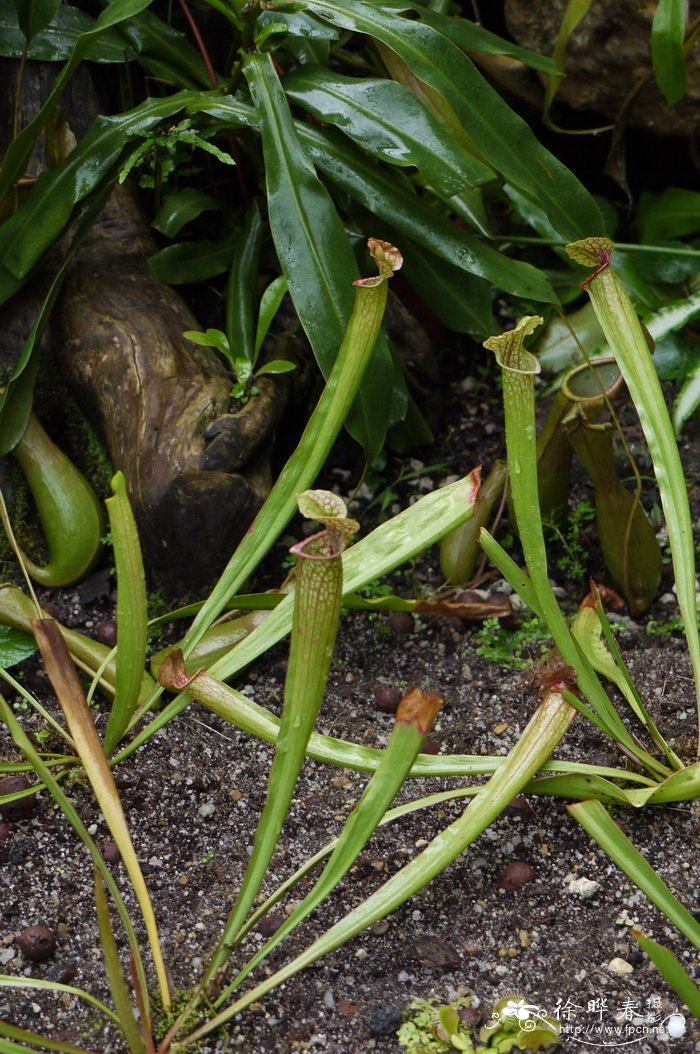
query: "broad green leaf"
667, 36
299, 24
673, 213
462, 301
42, 217
242, 286
56, 43
313, 250
404, 211
187, 262
15, 646
469, 36
211, 338
181, 207
269, 306
275, 366
164, 51
15, 160
389, 122
501, 137
35, 15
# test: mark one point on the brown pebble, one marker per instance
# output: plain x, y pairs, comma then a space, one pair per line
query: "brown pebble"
5, 833
106, 632
36, 943
270, 924
430, 747
380, 928
51, 610
21, 808
110, 852
387, 698
347, 1008
401, 622
430, 951
516, 875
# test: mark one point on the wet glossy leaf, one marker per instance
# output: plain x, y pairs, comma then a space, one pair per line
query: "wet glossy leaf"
314, 250
403, 209
180, 208
56, 42
667, 35
673, 213
164, 51
15, 646
500, 136
389, 122
460, 300
469, 36
191, 261
34, 15
241, 289
42, 217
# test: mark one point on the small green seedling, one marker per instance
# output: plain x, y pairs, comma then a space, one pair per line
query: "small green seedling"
243, 367
431, 1028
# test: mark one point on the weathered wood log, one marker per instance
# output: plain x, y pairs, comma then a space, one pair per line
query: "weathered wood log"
196, 474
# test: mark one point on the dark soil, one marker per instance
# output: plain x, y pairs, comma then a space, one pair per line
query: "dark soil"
194, 792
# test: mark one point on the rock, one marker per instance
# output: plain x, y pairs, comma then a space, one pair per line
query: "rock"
21, 808
583, 887
37, 943
516, 875
106, 632
607, 54
270, 924
619, 968
387, 698
401, 622
436, 954
384, 1020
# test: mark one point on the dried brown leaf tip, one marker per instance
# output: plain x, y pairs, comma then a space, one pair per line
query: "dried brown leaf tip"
420, 708
172, 672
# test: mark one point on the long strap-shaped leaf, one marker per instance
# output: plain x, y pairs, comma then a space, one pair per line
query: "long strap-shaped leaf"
317, 603
500, 136
314, 250
64, 678
595, 819
625, 337
390, 544
414, 718
543, 732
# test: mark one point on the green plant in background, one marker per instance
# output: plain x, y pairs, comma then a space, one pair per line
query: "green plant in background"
518, 648
431, 1028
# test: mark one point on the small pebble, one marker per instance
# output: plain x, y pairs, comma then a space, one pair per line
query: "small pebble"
619, 968
206, 810
583, 887
21, 808
106, 632
36, 943
387, 698
380, 928
516, 875
270, 924
401, 622
110, 852
436, 954
384, 1020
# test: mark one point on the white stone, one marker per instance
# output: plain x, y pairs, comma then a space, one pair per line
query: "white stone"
583, 887
619, 968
